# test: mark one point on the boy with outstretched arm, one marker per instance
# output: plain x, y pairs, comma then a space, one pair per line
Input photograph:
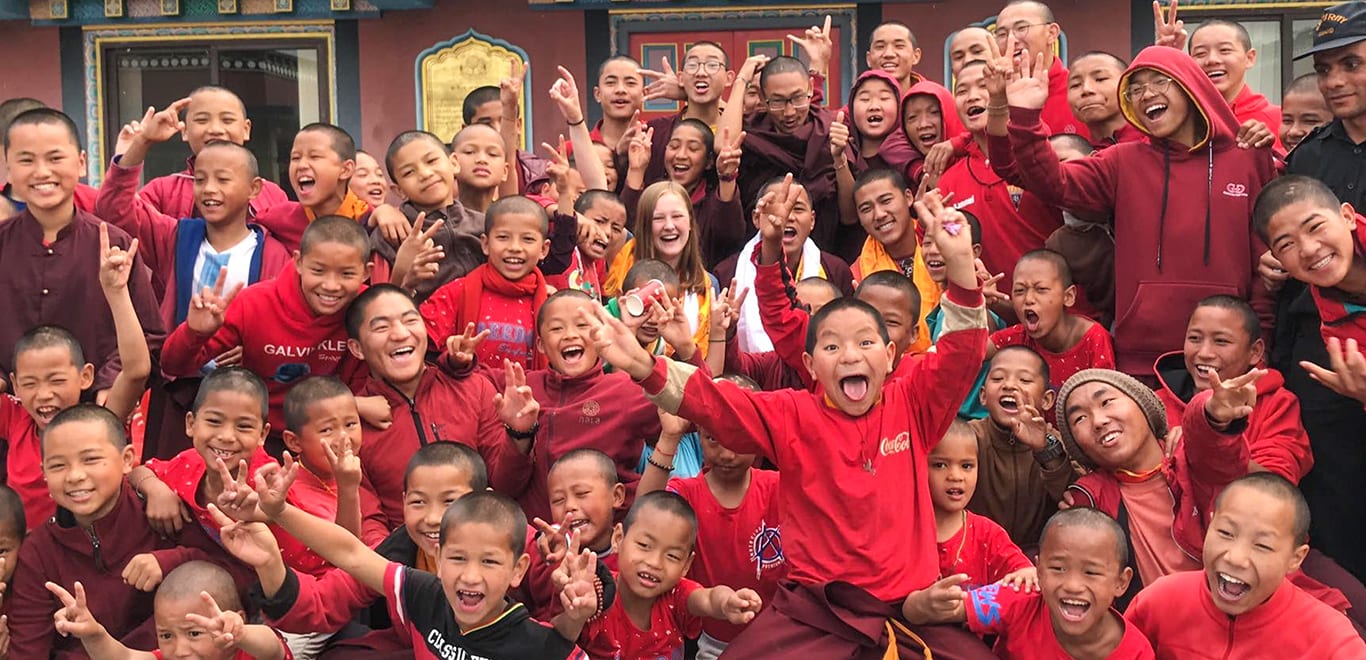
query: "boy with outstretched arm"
885, 430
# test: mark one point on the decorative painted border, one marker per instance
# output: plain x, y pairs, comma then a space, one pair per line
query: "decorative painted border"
94, 39
621, 20
649, 58
987, 24
527, 96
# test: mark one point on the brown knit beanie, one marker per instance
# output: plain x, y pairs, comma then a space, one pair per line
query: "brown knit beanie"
1140, 393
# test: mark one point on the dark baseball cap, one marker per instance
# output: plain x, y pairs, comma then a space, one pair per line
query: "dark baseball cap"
1340, 25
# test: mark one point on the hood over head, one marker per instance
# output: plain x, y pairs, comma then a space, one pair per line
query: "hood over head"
1209, 106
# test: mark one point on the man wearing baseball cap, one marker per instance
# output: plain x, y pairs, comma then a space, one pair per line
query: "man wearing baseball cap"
1334, 153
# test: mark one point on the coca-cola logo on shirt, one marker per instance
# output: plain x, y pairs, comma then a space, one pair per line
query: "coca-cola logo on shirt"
896, 445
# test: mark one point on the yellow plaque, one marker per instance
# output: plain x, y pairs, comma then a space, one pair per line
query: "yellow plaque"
450, 70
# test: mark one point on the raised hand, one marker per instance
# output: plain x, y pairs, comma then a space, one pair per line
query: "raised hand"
1030, 88
673, 426
989, 284
516, 405
251, 542
511, 87
616, 343
638, 152
839, 140
949, 230
1347, 369
940, 156
418, 257
666, 84
272, 485
817, 44
164, 125
668, 316
741, 606
728, 155
1030, 427
725, 309
115, 263
346, 468
208, 306
633, 128
127, 135
74, 617
143, 572
575, 578
1169, 31
1272, 271
1000, 68
237, 499
553, 540
751, 68
226, 628
772, 213
460, 349
1233, 399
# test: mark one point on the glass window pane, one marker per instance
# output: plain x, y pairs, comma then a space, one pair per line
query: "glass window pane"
1304, 38
1265, 77
280, 87
155, 77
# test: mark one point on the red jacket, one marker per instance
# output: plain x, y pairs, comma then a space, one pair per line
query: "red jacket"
1275, 437
173, 194
158, 233
1204, 462
603, 411
948, 112
456, 409
1182, 229
834, 469
282, 341
1177, 614
1014, 221
1249, 105
288, 220
60, 551
1342, 319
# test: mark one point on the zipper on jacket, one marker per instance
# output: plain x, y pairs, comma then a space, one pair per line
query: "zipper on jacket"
1228, 645
95, 544
1171, 531
417, 418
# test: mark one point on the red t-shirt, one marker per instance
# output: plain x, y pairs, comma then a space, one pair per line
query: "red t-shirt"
242, 655
741, 547
1024, 629
24, 461
612, 635
1094, 351
184, 474
983, 550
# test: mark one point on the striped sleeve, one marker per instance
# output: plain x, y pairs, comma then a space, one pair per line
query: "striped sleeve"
394, 576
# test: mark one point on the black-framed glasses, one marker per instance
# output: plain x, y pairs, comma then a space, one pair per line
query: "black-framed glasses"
1019, 31
799, 101
710, 66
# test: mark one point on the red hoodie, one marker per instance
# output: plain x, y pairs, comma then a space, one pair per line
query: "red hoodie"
282, 341
948, 111
1249, 105
63, 552
595, 410
446, 408
1182, 229
1275, 435
173, 194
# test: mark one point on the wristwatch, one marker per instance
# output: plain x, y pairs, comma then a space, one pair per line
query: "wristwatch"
1052, 450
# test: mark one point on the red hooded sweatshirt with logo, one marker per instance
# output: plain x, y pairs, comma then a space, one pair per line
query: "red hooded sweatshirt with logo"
1182, 229
950, 125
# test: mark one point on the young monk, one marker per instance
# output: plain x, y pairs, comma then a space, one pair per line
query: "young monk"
849, 453
701, 84
1093, 94
1302, 110
929, 116
1035, 34
621, 93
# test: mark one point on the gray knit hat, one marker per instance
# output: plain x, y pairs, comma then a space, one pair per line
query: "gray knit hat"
1140, 393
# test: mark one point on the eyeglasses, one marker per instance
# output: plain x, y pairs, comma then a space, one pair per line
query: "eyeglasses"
1157, 85
798, 102
1019, 31
710, 66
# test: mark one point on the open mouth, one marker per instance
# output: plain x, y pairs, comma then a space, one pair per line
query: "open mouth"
47, 412
648, 580
210, 204
1031, 321
599, 245
225, 454
1073, 609
1155, 111
681, 169
1217, 76
855, 388
1322, 263
670, 237
885, 225
515, 263
577, 526
620, 103
402, 354
934, 264
701, 87
1109, 439
469, 600
1009, 403
789, 233
80, 496
571, 355
305, 184
328, 300
955, 493
974, 110
874, 120
1206, 372
1231, 588
928, 137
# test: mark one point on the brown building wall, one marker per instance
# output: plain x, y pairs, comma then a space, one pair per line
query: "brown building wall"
34, 62
1089, 25
389, 47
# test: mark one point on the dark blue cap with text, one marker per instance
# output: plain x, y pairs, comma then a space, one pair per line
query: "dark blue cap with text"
1340, 25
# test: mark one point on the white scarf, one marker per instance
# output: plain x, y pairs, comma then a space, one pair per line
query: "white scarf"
750, 330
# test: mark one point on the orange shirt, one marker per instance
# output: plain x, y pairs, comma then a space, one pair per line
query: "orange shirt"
1150, 505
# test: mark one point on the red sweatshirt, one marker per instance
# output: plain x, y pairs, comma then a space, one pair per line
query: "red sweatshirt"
1249, 105
1275, 436
1024, 627
1094, 351
60, 551
282, 340
288, 220
602, 411
455, 409
835, 469
1178, 616
159, 236
24, 461
1013, 221
1181, 213
173, 194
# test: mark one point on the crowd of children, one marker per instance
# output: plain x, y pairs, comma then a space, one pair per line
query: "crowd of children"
763, 378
